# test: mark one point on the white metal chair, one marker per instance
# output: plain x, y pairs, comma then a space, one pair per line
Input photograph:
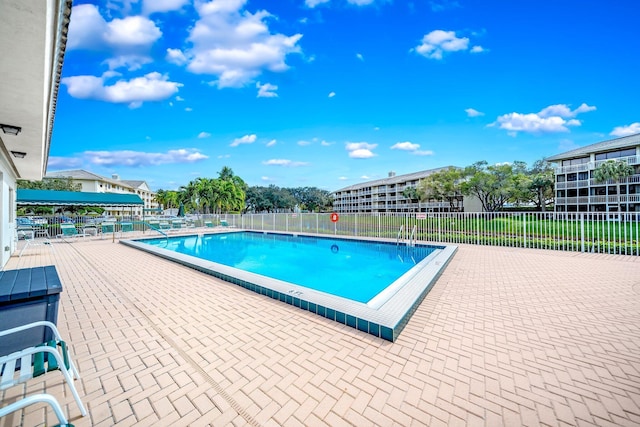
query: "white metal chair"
33, 362
37, 398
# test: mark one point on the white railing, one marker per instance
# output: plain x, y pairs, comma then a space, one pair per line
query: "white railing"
583, 232
631, 160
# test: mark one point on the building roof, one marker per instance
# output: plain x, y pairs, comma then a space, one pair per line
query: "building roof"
75, 198
598, 147
33, 39
395, 179
81, 174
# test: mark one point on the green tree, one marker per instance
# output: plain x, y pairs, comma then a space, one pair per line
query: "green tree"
613, 171
493, 185
443, 185
311, 198
58, 184
541, 184
167, 198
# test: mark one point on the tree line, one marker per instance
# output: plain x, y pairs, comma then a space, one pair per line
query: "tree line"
229, 193
493, 185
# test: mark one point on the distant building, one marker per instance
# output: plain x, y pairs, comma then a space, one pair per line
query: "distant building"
387, 195
93, 183
577, 191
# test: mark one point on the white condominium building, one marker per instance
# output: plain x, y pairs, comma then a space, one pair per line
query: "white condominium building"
388, 195
93, 183
578, 191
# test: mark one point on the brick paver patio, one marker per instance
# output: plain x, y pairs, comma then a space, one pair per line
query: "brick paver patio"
506, 337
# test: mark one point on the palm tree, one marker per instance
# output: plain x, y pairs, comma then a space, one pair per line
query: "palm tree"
613, 170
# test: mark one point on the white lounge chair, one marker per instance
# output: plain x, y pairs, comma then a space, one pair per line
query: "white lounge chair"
39, 360
36, 398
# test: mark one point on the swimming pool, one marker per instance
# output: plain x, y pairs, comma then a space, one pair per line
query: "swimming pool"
373, 286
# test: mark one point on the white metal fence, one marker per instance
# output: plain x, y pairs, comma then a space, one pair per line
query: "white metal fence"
612, 233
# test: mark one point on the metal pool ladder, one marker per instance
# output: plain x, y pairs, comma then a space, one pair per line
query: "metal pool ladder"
400, 235
413, 236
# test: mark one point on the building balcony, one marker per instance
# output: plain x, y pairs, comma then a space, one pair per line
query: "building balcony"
598, 200
631, 160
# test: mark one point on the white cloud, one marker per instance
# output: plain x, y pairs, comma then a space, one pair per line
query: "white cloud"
326, 143
477, 49
63, 163
631, 129
423, 153
138, 158
204, 135
236, 45
247, 139
360, 150
179, 98
271, 143
412, 148
342, 178
153, 6
87, 28
359, 56
360, 2
314, 3
563, 110
332, 94
303, 143
473, 113
405, 146
130, 62
532, 123
437, 42
443, 5
132, 31
550, 119
583, 108
151, 87
176, 56
188, 109
266, 90
126, 40
284, 162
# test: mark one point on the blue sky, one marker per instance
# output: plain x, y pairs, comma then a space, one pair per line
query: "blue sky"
330, 93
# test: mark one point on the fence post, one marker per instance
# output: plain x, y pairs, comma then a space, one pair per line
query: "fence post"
582, 232
355, 222
524, 228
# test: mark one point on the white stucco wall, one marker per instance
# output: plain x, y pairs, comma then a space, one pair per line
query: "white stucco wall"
7, 211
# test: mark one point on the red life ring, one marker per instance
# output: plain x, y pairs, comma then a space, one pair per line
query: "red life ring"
334, 217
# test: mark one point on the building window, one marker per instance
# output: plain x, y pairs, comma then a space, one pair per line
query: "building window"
579, 161
583, 175
572, 176
560, 178
616, 154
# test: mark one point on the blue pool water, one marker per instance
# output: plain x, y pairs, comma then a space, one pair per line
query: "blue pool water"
353, 269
